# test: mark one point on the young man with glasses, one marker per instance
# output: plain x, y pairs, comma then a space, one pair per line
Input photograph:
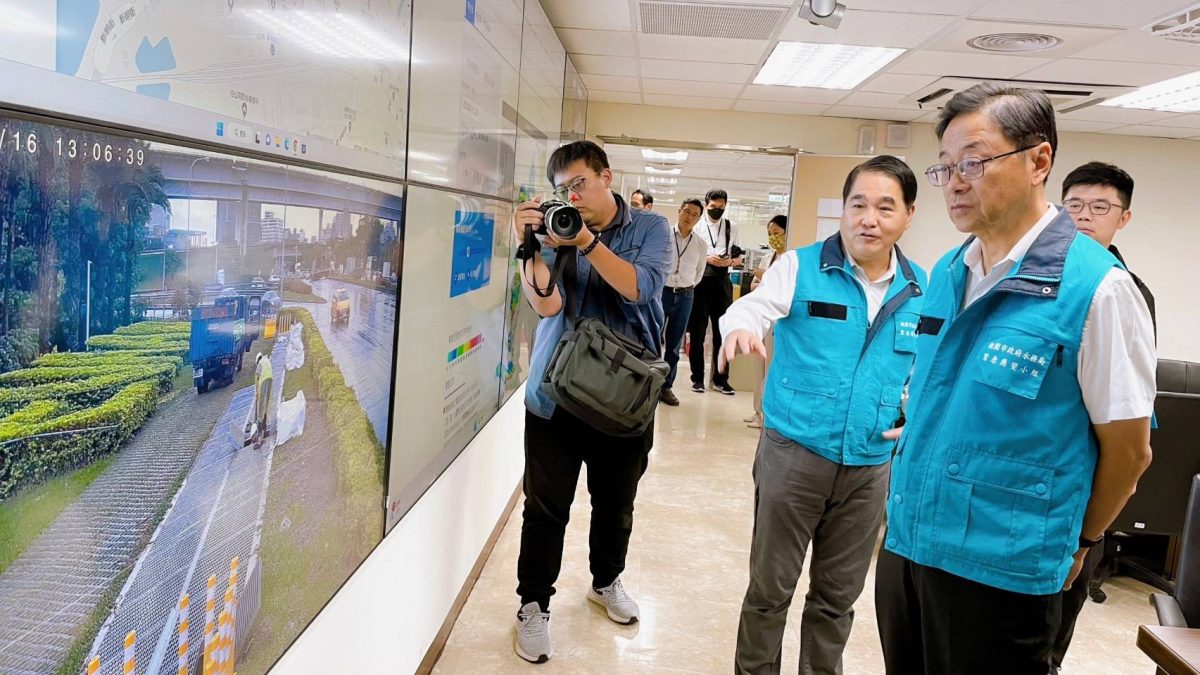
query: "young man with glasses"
690, 256
1029, 418
1097, 196
714, 293
624, 256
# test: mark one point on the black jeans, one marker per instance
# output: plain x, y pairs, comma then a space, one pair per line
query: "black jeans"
713, 296
555, 449
937, 623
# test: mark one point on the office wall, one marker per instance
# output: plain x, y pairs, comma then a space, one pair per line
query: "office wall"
1161, 243
387, 616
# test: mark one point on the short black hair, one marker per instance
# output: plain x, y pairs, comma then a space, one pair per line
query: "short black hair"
647, 199
1099, 173
888, 166
592, 154
693, 202
1025, 116
780, 220
716, 194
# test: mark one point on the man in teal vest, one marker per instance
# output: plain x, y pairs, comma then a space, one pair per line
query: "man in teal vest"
1029, 422
845, 315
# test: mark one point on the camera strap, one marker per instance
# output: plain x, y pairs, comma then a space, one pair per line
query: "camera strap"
562, 259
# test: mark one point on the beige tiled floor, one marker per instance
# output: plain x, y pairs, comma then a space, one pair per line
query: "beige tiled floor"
687, 569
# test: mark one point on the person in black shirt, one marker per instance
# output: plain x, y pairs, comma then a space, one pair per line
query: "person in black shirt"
1097, 196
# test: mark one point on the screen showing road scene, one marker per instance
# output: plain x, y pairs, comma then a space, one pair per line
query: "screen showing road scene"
195, 372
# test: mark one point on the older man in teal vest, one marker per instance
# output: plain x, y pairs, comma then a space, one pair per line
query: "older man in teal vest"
845, 316
1029, 421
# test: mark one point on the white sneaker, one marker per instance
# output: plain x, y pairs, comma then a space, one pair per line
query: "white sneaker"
620, 607
533, 634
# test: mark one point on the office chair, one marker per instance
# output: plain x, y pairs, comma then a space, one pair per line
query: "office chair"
1182, 608
1161, 502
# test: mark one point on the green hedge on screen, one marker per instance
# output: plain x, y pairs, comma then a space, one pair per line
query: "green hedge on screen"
38, 411
31, 453
139, 342
30, 377
177, 328
87, 393
87, 359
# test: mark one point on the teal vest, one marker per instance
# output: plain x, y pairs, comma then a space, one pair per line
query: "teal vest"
994, 470
835, 381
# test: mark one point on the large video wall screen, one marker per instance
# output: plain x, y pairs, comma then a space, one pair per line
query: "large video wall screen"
191, 347
224, 375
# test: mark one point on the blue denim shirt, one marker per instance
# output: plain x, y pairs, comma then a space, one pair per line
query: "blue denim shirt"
641, 238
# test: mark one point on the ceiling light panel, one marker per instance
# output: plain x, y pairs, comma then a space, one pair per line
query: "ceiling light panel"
807, 64
661, 180
663, 172
652, 155
1177, 95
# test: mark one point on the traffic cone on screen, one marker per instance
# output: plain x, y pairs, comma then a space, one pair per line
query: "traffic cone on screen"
184, 624
130, 653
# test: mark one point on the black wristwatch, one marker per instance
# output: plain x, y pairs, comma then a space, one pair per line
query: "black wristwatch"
1084, 542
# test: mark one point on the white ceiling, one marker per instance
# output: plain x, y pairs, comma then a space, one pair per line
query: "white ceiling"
747, 176
1104, 43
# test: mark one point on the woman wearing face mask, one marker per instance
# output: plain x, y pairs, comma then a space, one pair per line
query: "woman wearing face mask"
777, 238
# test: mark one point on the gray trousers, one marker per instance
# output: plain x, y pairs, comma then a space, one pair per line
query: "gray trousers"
799, 497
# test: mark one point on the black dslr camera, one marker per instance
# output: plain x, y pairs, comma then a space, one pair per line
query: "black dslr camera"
561, 219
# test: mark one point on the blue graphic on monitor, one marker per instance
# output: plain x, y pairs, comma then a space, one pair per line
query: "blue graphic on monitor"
471, 268
155, 58
75, 21
161, 90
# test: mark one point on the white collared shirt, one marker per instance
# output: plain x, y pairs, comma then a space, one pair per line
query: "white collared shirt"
876, 291
713, 235
1117, 356
690, 255
772, 300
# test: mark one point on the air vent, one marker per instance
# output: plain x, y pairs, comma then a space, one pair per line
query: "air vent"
898, 135
1182, 27
693, 19
1065, 96
1014, 42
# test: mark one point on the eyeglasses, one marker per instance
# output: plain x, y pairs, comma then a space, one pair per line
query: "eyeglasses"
574, 187
1098, 208
969, 168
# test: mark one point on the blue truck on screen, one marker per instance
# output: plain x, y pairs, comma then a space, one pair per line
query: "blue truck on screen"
218, 341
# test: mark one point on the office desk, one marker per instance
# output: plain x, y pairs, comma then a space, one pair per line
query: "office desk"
1176, 651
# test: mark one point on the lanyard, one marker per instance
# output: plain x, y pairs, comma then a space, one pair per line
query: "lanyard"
678, 252
711, 238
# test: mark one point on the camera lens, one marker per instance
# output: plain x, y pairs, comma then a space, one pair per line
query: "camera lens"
563, 219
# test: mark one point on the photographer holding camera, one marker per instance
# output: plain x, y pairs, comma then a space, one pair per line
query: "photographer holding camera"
622, 257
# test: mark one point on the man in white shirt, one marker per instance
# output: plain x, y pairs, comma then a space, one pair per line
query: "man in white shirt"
691, 256
1029, 419
844, 312
714, 293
